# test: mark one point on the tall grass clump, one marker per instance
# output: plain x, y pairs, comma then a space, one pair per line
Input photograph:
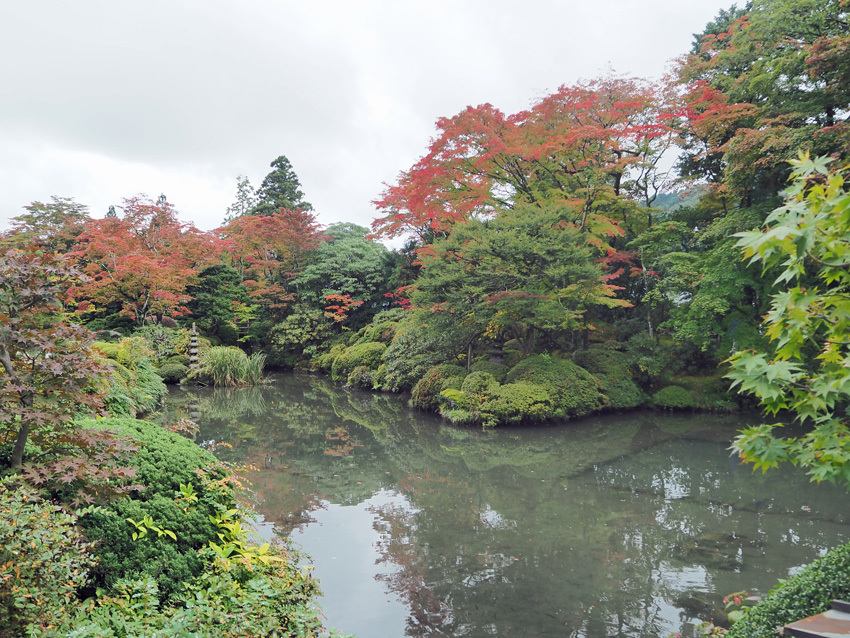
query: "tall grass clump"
228, 366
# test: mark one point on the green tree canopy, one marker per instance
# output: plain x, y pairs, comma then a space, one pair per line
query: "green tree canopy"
281, 188
523, 274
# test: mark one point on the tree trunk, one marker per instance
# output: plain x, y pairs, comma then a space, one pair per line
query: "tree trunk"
23, 433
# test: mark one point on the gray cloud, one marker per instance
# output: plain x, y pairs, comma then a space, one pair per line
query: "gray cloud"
103, 99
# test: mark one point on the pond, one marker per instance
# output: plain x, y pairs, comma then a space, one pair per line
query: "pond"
620, 525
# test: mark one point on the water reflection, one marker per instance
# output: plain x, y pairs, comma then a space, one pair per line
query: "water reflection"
615, 526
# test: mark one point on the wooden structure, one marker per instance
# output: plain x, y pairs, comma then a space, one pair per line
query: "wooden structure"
834, 623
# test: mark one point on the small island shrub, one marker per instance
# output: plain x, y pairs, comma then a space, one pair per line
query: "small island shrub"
804, 594
425, 394
572, 390
364, 354
324, 362
43, 560
498, 370
710, 392
673, 397
172, 372
479, 385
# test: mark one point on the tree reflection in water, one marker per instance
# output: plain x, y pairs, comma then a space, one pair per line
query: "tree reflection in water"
613, 526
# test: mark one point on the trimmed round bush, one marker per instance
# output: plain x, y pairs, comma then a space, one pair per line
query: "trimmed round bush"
518, 402
383, 332
572, 390
325, 361
498, 370
479, 384
172, 372
673, 397
182, 359
425, 395
363, 354
807, 593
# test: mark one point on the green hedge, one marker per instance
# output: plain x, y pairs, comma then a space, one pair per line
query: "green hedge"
807, 593
498, 370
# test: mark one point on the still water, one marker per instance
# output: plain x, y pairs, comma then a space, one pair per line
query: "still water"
627, 525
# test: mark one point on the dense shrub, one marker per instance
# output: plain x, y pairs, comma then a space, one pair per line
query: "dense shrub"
383, 332
479, 385
711, 392
109, 350
182, 359
673, 397
807, 593
163, 342
498, 370
379, 376
172, 372
324, 362
572, 390
164, 461
364, 354
43, 560
616, 383
410, 355
132, 351
133, 392
360, 377
518, 402
425, 395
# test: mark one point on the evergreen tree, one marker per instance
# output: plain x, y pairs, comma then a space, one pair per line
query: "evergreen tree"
280, 189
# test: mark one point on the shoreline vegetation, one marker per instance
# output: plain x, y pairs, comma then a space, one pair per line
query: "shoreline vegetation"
551, 269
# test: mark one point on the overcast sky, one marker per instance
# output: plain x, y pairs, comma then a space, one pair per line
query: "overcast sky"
102, 100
